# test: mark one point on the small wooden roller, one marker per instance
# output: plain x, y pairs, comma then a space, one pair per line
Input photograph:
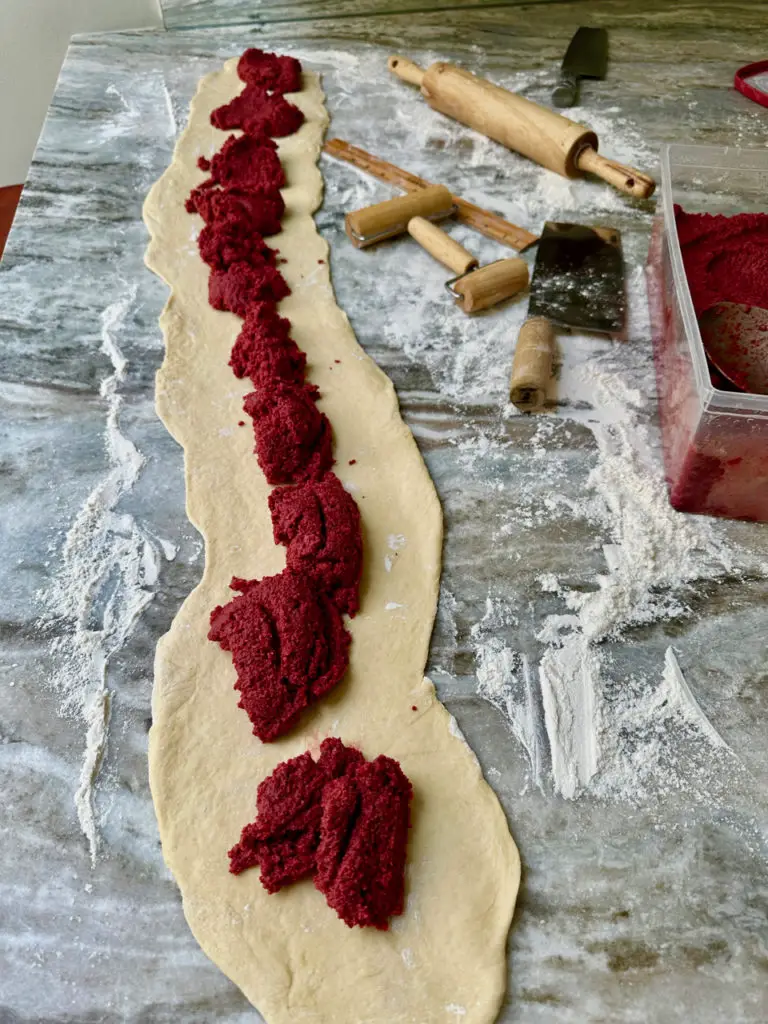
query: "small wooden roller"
489, 285
385, 220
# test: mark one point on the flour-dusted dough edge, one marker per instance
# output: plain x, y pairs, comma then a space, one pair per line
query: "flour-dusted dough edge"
445, 958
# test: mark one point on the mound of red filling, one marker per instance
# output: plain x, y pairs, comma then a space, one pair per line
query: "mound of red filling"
342, 819
293, 438
319, 523
289, 647
264, 350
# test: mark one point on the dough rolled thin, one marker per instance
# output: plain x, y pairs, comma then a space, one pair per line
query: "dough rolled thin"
288, 952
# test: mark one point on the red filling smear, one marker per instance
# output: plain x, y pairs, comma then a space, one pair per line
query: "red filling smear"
288, 645
257, 211
264, 351
243, 284
293, 438
257, 112
363, 839
319, 523
725, 258
283, 839
280, 74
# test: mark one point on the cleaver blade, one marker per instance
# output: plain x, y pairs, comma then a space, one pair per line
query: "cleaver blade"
578, 278
586, 57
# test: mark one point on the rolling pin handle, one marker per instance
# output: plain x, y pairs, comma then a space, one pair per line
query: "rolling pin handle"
626, 179
405, 69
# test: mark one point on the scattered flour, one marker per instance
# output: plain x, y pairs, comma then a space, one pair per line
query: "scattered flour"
579, 728
109, 568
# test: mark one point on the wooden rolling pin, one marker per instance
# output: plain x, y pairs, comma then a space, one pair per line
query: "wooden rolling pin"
538, 133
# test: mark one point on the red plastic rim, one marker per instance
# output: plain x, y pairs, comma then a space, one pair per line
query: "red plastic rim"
741, 82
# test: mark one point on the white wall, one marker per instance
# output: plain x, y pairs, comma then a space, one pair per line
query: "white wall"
34, 35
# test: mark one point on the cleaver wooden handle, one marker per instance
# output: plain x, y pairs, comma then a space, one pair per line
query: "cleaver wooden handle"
532, 364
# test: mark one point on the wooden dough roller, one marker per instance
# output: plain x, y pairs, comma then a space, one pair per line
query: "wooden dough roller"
473, 288
538, 133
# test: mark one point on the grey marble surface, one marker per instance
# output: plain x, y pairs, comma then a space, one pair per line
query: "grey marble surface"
652, 909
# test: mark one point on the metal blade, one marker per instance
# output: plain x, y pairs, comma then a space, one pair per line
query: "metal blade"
578, 279
587, 53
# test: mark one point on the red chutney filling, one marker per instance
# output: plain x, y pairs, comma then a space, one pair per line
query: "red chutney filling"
289, 647
264, 350
283, 839
343, 819
257, 112
221, 245
319, 523
256, 211
363, 838
293, 438
280, 74
242, 284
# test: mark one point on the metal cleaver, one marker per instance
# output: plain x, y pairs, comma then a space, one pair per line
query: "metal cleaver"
586, 57
578, 279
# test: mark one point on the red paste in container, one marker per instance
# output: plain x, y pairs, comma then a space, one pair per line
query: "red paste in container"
293, 438
725, 258
319, 523
716, 461
343, 819
289, 647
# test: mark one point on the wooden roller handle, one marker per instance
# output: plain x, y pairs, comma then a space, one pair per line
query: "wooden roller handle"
491, 284
626, 179
532, 364
444, 249
406, 69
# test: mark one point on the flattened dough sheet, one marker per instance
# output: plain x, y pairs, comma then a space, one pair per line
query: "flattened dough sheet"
445, 959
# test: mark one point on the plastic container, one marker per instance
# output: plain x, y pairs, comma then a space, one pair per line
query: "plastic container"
715, 442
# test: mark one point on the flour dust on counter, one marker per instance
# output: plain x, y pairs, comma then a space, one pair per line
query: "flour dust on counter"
559, 694
110, 565
582, 728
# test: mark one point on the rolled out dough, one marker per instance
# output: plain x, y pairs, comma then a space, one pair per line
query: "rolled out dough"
444, 959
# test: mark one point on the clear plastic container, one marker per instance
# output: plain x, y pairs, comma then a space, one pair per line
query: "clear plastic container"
715, 442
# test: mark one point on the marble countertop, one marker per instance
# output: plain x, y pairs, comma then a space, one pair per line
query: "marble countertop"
636, 904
